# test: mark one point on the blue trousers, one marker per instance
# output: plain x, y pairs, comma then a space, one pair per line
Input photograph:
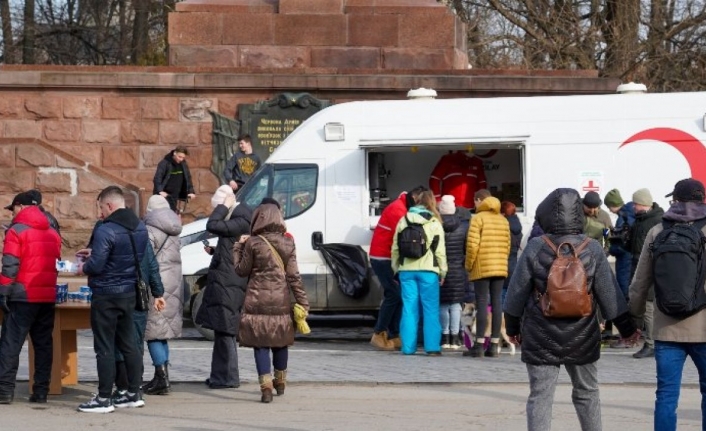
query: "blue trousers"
420, 288
670, 359
623, 266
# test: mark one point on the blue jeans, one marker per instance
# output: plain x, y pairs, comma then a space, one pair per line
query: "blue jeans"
623, 267
670, 359
280, 357
420, 287
159, 352
391, 307
450, 318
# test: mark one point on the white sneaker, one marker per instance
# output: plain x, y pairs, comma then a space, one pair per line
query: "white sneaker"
125, 399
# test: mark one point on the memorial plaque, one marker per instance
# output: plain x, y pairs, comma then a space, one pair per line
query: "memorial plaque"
269, 122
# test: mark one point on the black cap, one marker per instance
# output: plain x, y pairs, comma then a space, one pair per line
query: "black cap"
36, 195
688, 190
24, 198
592, 200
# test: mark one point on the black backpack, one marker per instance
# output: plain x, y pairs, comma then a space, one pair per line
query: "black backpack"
412, 242
679, 268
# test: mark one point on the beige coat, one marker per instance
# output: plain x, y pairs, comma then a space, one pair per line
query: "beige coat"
665, 328
266, 316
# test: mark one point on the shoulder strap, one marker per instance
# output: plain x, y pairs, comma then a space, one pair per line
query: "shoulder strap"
162, 246
583, 245
134, 254
551, 245
278, 258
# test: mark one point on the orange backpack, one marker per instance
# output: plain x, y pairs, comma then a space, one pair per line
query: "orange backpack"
567, 294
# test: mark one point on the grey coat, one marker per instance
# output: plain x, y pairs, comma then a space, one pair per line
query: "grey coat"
164, 227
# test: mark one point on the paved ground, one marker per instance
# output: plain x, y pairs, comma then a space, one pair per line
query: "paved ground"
338, 382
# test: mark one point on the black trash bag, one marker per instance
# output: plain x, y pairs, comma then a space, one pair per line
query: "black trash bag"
349, 263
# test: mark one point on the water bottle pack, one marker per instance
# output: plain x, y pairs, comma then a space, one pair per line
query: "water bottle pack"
83, 295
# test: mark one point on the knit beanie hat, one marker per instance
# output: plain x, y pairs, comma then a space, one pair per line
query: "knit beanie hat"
592, 200
156, 202
613, 199
643, 197
220, 196
447, 205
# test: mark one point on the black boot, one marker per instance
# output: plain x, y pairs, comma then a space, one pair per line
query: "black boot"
149, 385
493, 351
445, 341
161, 385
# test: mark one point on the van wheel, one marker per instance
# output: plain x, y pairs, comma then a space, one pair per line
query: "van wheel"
207, 333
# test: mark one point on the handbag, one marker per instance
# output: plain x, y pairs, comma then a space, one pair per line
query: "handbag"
142, 299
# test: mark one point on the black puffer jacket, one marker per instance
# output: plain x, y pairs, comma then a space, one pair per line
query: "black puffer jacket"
456, 281
225, 290
550, 341
638, 231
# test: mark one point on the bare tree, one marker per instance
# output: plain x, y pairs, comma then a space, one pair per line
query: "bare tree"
8, 48
28, 33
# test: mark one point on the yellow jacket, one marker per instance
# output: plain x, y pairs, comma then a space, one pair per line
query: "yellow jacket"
488, 244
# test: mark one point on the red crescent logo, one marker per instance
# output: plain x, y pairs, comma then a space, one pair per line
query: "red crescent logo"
690, 147
487, 155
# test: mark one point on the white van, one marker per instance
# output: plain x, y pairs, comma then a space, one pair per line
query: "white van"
336, 171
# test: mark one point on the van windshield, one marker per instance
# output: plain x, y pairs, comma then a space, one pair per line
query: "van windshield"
292, 185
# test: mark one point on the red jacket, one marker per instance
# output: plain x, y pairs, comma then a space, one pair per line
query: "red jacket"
384, 233
458, 175
30, 251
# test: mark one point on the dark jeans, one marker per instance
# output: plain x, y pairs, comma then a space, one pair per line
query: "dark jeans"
24, 318
623, 266
484, 286
280, 356
391, 307
139, 319
113, 326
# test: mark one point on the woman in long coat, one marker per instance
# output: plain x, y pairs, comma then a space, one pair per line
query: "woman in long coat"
268, 257
164, 227
225, 291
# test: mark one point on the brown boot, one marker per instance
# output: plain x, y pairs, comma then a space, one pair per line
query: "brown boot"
396, 342
280, 381
266, 388
381, 342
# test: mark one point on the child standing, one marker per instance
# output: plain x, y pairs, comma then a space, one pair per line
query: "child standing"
455, 285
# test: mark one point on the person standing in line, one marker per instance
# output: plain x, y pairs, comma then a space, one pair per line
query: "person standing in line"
27, 296
268, 258
548, 342
648, 214
112, 277
172, 179
242, 165
225, 290
386, 333
619, 239
487, 254
455, 286
37, 197
675, 338
509, 210
164, 227
420, 278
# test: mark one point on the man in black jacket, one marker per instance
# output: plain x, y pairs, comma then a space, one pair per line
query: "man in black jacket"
548, 343
116, 245
172, 180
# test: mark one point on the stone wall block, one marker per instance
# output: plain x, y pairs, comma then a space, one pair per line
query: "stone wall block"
15, 181
22, 129
194, 29
11, 107
275, 57
346, 58
104, 132
121, 108
207, 182
43, 107
248, 29
159, 108
417, 58
171, 133
418, 31
310, 6
54, 182
75, 207
213, 56
82, 107
311, 30
206, 133
91, 154
62, 131
373, 30
91, 183
196, 110
119, 157
200, 158
7, 156
34, 155
143, 132
151, 156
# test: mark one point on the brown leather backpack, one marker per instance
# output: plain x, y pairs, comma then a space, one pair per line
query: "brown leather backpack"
567, 294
